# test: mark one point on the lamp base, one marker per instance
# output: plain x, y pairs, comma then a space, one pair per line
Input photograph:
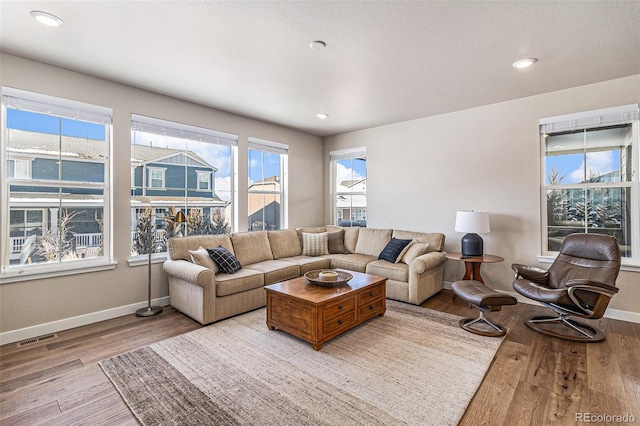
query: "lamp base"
149, 311
472, 245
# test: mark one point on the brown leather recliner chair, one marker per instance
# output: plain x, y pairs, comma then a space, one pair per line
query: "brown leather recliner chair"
580, 283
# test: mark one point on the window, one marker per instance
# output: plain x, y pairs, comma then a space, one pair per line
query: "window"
204, 180
19, 168
156, 177
54, 189
267, 185
349, 171
178, 167
590, 163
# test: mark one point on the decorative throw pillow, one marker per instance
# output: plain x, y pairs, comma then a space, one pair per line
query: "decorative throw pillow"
393, 250
315, 244
226, 261
201, 257
416, 249
404, 250
336, 242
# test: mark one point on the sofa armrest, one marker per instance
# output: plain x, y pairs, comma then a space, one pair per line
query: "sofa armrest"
425, 276
189, 272
427, 261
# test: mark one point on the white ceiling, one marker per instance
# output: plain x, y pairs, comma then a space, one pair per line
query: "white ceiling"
384, 62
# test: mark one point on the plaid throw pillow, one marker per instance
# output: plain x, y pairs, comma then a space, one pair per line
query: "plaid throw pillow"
315, 244
226, 261
393, 250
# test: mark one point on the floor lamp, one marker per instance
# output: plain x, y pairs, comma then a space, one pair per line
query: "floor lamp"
150, 311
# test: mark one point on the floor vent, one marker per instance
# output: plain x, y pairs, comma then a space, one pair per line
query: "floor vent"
35, 340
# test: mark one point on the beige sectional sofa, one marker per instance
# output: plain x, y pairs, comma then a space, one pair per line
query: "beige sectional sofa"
198, 289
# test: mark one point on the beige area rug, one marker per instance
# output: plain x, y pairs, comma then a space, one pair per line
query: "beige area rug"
412, 366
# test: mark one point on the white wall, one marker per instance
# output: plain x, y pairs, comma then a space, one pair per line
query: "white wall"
420, 172
33, 303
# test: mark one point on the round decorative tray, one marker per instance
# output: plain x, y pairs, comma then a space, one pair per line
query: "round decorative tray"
314, 277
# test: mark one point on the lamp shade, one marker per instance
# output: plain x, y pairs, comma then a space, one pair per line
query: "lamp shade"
476, 222
180, 218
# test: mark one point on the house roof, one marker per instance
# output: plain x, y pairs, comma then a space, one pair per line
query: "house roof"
384, 61
35, 144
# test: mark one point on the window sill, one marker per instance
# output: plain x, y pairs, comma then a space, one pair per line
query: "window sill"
144, 259
627, 265
38, 272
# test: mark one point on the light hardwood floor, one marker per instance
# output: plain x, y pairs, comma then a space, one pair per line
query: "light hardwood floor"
533, 379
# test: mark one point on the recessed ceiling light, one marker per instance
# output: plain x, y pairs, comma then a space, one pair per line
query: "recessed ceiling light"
46, 18
524, 63
322, 115
317, 45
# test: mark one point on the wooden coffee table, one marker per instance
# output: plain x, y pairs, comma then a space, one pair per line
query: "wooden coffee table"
316, 314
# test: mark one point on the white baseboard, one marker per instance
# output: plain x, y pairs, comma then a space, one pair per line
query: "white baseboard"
67, 323
616, 314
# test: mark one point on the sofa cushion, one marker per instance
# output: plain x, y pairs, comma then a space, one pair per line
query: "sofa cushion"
434, 239
372, 241
243, 280
308, 263
350, 236
276, 270
284, 243
225, 260
179, 246
251, 247
201, 257
315, 244
352, 262
313, 230
336, 242
415, 249
386, 269
394, 250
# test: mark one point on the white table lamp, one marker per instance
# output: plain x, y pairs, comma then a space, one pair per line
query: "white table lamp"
474, 223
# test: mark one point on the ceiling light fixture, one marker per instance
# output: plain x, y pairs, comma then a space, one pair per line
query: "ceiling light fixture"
46, 18
317, 45
322, 115
524, 63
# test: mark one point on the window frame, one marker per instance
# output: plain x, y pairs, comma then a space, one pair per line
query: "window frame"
163, 173
179, 133
264, 146
60, 108
340, 155
585, 121
200, 173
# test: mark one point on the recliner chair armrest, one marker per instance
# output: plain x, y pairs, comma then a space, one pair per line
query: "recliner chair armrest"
531, 273
604, 292
593, 286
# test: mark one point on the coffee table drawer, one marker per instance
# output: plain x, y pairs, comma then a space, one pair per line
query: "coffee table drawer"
371, 308
339, 322
340, 308
369, 295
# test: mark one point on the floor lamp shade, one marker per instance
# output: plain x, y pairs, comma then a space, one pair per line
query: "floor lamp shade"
473, 223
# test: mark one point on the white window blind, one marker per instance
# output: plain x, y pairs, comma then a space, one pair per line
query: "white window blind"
49, 105
268, 146
590, 119
157, 126
345, 154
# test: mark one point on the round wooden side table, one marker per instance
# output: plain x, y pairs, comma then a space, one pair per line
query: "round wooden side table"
472, 264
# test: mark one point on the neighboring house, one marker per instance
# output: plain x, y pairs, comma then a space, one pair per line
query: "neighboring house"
351, 202
159, 180
264, 206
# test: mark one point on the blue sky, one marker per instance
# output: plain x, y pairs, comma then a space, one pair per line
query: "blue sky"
572, 166
33, 122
